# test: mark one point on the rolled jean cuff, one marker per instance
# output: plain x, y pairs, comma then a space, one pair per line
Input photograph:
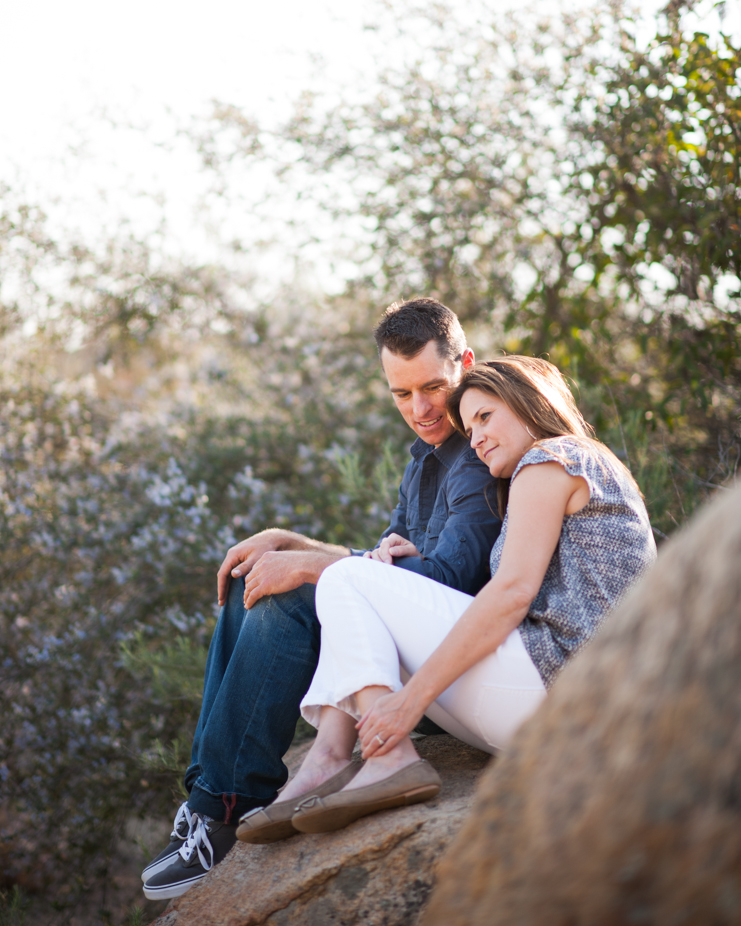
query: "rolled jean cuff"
224, 808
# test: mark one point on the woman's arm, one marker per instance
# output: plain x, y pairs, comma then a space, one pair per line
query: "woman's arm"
539, 498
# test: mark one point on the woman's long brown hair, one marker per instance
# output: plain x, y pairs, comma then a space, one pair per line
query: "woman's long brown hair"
537, 393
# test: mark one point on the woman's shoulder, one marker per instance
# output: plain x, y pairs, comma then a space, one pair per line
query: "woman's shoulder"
604, 474
570, 452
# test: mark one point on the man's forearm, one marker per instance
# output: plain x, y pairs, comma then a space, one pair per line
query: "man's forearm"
314, 562
290, 540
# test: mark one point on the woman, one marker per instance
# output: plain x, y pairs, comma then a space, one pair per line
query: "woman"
396, 645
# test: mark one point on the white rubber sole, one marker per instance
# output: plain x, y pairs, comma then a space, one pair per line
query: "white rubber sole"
168, 891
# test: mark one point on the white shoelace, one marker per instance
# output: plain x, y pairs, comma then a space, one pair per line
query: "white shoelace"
183, 814
198, 841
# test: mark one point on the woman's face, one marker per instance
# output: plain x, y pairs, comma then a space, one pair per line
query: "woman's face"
497, 435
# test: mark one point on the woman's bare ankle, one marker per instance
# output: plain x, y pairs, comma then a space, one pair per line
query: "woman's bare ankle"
377, 768
328, 754
317, 767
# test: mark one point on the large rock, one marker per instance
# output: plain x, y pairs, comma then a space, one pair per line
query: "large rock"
620, 800
378, 872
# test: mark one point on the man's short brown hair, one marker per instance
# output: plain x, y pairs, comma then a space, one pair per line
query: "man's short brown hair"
406, 328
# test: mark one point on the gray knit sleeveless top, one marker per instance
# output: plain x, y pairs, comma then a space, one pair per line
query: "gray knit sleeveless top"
601, 552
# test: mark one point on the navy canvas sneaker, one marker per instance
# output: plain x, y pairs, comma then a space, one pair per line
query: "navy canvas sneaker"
180, 831
208, 844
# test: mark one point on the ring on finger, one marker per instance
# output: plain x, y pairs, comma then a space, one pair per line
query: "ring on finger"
381, 741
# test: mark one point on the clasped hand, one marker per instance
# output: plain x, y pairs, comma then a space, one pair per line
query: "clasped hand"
241, 558
268, 570
392, 547
275, 572
392, 717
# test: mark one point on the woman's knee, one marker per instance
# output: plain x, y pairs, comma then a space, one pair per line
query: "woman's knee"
347, 566
338, 588
339, 575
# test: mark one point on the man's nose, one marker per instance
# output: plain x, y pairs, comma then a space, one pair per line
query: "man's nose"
421, 405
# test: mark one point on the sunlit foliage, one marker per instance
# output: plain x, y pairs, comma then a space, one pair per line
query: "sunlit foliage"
567, 190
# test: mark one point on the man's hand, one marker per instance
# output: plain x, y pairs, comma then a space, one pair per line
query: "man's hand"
243, 557
392, 546
240, 558
283, 570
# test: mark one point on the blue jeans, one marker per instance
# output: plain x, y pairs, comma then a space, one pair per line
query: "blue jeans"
260, 664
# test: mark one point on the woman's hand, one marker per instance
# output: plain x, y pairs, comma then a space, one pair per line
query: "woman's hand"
392, 547
391, 718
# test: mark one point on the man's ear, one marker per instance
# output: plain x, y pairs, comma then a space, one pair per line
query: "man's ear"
467, 358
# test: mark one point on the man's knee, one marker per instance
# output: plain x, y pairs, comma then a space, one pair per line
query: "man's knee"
301, 598
297, 605
273, 614
235, 594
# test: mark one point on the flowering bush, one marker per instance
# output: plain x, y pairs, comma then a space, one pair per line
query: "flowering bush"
114, 522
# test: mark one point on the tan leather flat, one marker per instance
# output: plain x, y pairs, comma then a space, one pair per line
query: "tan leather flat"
410, 785
269, 824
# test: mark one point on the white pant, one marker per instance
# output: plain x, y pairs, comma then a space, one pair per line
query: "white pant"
380, 623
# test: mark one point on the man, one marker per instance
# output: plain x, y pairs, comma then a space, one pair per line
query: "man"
266, 644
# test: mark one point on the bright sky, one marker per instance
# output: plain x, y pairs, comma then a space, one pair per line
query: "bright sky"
68, 70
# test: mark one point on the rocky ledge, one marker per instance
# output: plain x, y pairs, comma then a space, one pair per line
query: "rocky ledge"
378, 872
619, 801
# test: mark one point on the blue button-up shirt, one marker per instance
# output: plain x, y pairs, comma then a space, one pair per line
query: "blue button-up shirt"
443, 510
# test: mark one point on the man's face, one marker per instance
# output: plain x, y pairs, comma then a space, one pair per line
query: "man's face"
420, 388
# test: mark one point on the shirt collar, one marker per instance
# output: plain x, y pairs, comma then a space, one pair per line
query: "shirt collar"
446, 453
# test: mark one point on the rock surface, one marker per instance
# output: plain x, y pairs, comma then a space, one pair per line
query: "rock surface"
378, 872
620, 800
